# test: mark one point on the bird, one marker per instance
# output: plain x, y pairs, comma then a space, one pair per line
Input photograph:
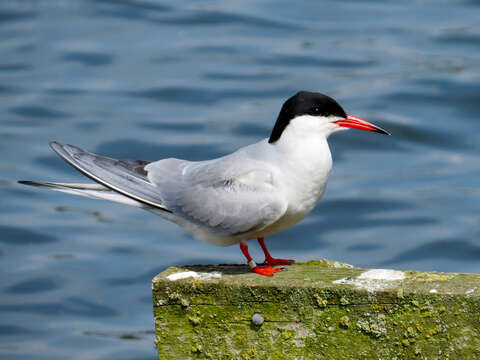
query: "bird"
252, 193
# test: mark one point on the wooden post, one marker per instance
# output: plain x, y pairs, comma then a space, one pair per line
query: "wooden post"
315, 310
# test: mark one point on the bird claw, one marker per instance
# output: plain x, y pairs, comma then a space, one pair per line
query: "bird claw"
278, 262
265, 270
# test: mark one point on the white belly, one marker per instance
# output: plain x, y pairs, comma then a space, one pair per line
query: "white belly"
295, 213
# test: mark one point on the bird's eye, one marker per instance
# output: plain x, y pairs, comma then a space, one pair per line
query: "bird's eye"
317, 110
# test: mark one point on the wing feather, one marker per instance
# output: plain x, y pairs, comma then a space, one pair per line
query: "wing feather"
229, 196
218, 194
126, 177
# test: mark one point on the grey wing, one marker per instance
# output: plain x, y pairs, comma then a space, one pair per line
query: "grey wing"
215, 194
127, 177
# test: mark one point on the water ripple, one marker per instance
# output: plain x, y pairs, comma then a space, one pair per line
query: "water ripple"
10, 90
38, 112
448, 249
130, 8
459, 37
89, 58
425, 135
204, 96
71, 306
439, 93
15, 67
217, 18
34, 285
12, 330
21, 236
178, 127
313, 61
243, 77
364, 247
7, 16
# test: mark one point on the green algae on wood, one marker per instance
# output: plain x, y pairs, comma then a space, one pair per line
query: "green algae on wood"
315, 310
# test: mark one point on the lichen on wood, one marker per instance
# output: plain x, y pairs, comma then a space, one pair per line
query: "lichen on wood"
316, 310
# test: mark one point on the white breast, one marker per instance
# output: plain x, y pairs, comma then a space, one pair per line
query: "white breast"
304, 166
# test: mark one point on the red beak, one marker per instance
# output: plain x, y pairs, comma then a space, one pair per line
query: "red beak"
356, 123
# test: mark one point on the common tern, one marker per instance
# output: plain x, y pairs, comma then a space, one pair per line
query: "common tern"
252, 193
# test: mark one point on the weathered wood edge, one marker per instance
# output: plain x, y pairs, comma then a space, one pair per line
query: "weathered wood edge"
398, 314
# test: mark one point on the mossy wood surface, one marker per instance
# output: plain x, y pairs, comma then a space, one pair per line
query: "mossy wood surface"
307, 315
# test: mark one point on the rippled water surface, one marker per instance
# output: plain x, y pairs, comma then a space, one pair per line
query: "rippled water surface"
151, 79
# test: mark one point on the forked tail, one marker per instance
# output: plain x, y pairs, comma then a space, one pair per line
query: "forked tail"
93, 191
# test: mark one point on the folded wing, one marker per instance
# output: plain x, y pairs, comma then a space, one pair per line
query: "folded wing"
229, 196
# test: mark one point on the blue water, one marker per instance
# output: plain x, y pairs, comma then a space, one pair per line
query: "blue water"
150, 79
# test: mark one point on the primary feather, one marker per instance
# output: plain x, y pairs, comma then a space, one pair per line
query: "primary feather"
126, 177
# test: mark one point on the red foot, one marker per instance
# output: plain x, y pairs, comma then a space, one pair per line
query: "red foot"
273, 262
265, 270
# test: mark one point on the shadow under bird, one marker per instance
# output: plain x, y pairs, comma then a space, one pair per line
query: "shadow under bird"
252, 193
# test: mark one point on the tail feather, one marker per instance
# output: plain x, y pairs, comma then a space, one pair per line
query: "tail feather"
93, 191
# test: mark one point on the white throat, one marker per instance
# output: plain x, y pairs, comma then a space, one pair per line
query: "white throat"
303, 154
306, 126
303, 143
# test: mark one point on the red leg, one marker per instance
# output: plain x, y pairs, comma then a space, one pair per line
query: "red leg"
269, 260
265, 270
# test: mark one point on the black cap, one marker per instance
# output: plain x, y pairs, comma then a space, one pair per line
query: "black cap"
305, 103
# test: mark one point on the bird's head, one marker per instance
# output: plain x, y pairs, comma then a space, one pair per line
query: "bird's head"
311, 113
